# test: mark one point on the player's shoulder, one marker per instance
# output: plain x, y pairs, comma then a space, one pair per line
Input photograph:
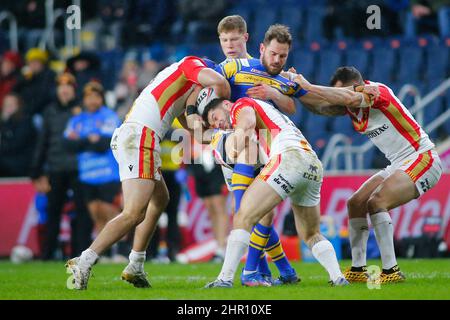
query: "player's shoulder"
242, 103
242, 62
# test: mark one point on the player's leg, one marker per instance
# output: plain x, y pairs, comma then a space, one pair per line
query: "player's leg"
274, 250
136, 150
242, 177
359, 228
307, 222
136, 194
395, 190
259, 199
305, 175
134, 272
263, 265
409, 181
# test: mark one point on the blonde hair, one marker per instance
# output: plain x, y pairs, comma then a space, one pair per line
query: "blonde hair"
231, 23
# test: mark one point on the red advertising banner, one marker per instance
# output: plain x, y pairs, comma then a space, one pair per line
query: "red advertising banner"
18, 215
407, 219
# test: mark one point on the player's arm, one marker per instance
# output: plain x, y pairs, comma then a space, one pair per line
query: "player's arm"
265, 92
192, 118
286, 103
320, 106
204, 136
244, 130
210, 78
195, 70
337, 96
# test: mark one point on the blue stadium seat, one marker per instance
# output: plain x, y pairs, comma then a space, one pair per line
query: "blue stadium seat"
435, 108
359, 58
437, 59
304, 62
342, 125
314, 18
299, 117
316, 132
410, 64
292, 15
330, 60
410, 99
383, 61
264, 16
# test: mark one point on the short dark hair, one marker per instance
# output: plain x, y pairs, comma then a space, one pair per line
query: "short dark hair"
278, 32
348, 75
210, 106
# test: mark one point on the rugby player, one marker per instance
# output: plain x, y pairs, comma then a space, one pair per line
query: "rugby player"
135, 145
263, 82
293, 171
414, 167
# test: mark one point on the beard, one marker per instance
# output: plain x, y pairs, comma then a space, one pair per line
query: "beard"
273, 71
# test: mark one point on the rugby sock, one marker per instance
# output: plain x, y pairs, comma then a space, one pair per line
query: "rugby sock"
238, 242
359, 234
324, 252
384, 233
263, 266
243, 176
275, 251
88, 258
258, 240
137, 260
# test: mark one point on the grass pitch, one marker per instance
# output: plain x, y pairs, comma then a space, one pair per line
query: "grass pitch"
426, 279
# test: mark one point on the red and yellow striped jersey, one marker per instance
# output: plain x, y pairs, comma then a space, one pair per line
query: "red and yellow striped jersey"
390, 126
275, 132
165, 97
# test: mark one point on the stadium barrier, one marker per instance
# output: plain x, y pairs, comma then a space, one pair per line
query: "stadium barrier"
19, 215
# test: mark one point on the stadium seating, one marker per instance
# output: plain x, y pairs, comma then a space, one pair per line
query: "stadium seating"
264, 16
383, 62
329, 61
315, 15
359, 58
410, 64
292, 15
437, 58
304, 61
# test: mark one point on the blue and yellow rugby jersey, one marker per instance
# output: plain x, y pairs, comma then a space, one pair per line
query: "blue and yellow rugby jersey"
242, 74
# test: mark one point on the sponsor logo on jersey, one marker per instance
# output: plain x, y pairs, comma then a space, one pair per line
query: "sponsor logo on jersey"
377, 132
425, 185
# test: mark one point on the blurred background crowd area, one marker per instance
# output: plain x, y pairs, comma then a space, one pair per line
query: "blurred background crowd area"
48, 70
123, 44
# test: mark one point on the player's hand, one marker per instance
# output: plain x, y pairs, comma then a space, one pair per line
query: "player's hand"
302, 82
372, 91
41, 184
290, 74
94, 138
194, 121
262, 91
